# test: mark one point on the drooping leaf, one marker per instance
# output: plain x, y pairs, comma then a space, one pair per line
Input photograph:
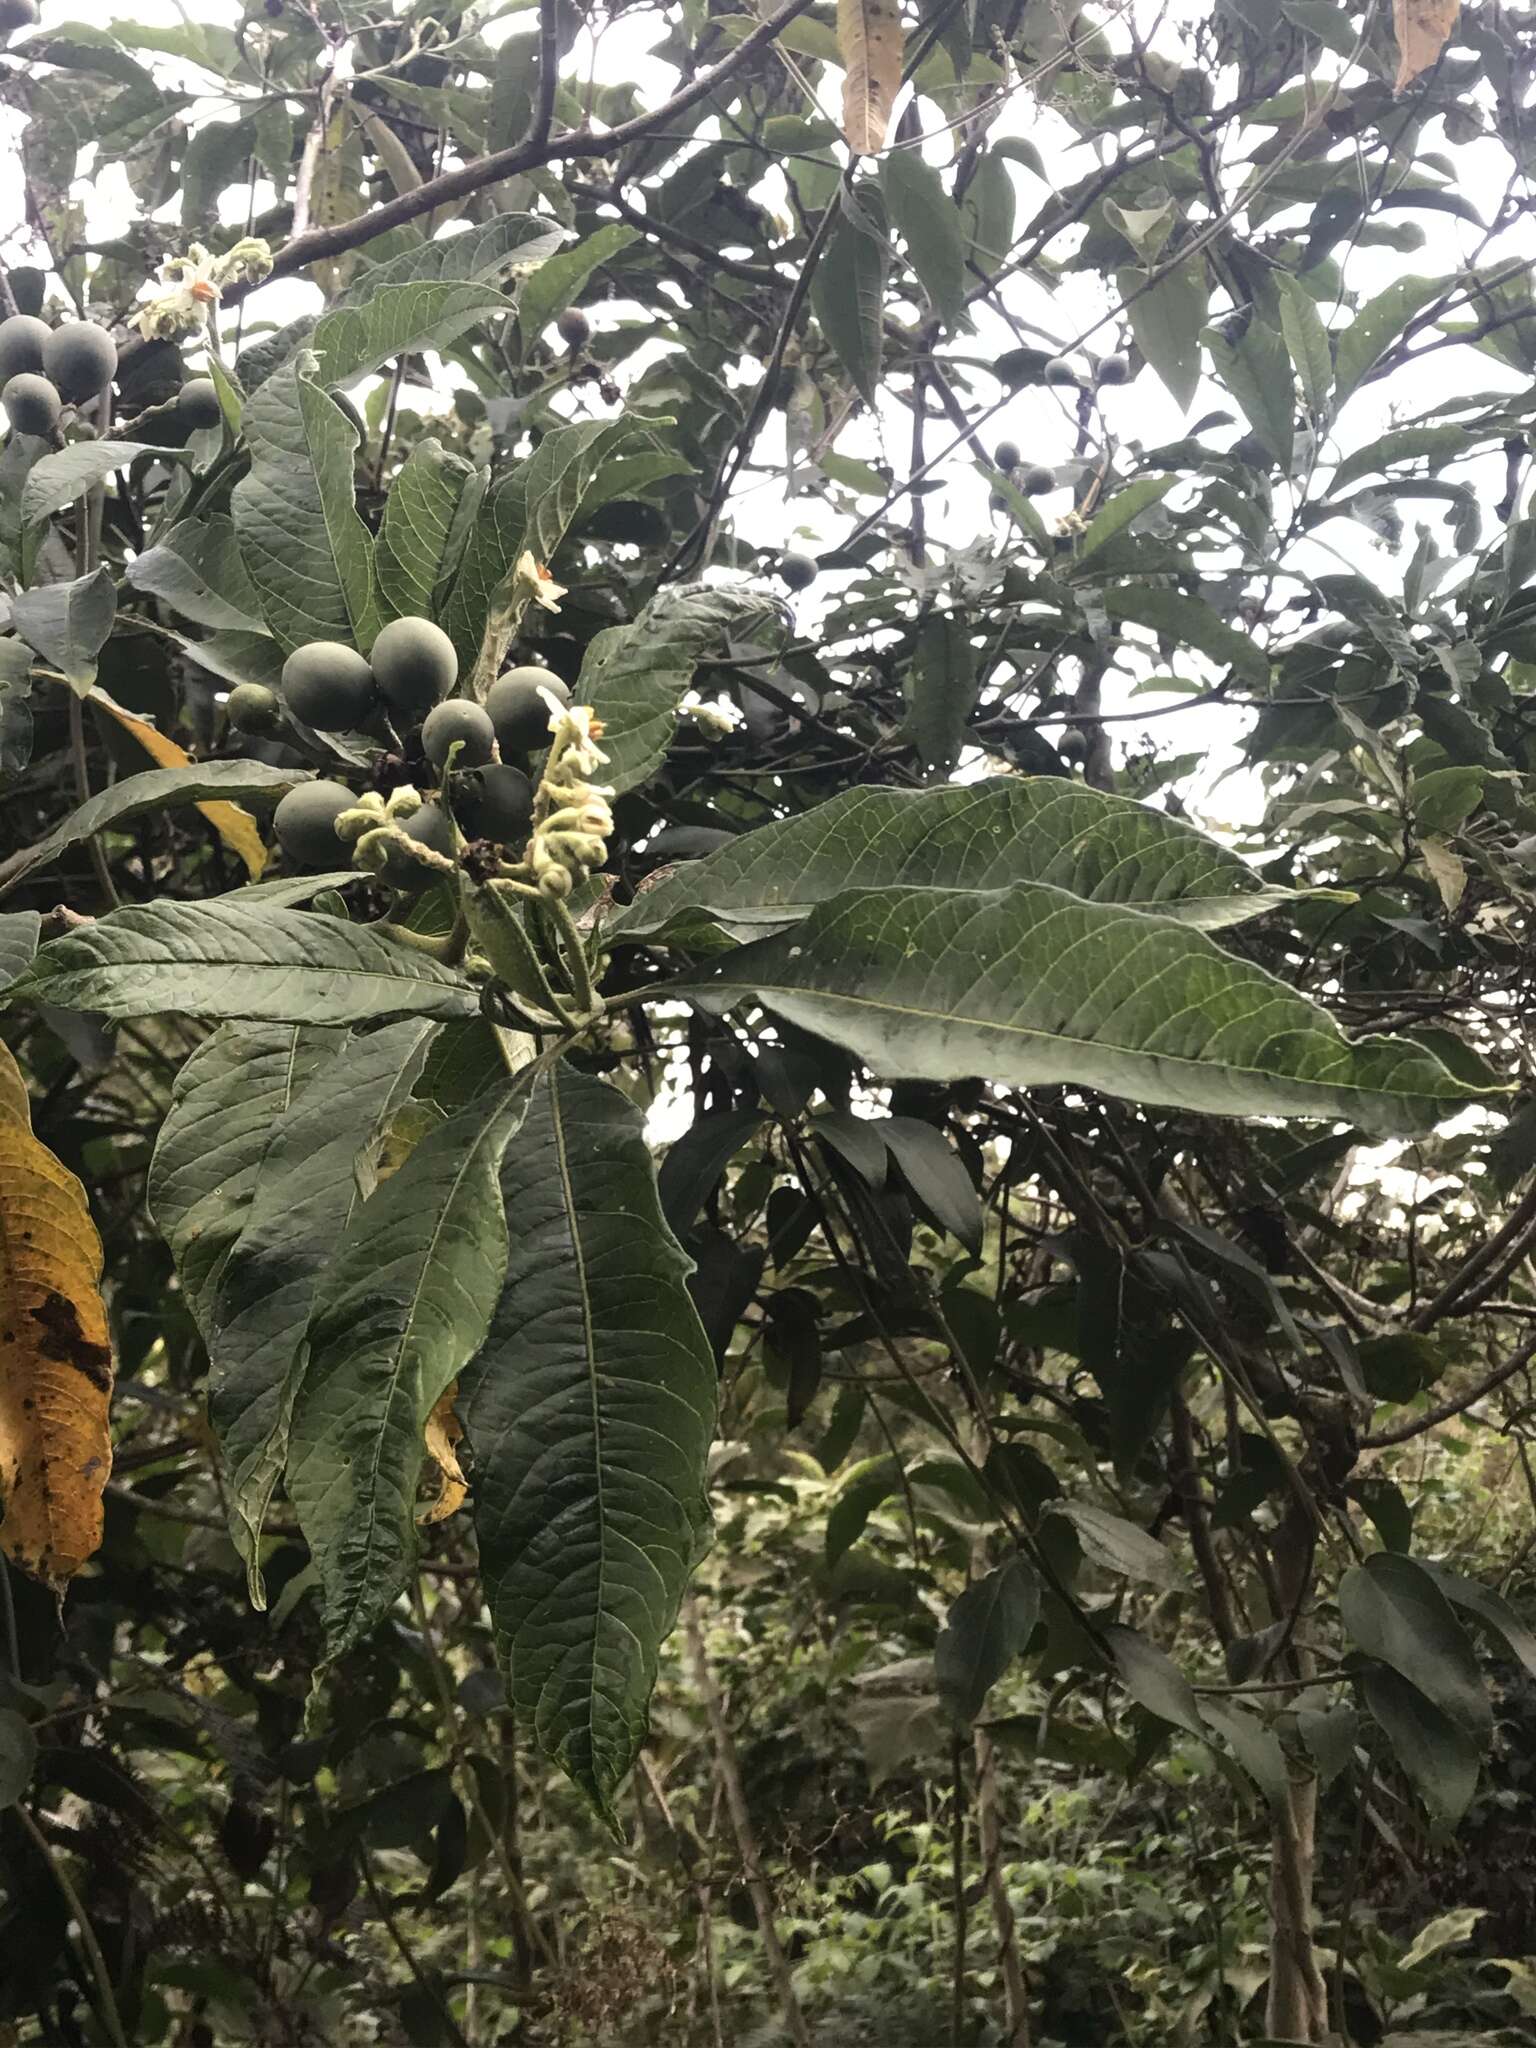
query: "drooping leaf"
1438, 1757
865, 1487
197, 570
1191, 621
980, 835
234, 826
589, 1414
1256, 369
68, 623
848, 289
55, 1354
57, 480
1306, 339
1394, 1611
988, 1627
421, 514
1117, 1545
928, 222
934, 1173
1492, 1610
941, 689
404, 1305
1122, 508
1032, 987
1166, 319
1153, 1680
560, 278
230, 959
870, 41
1378, 324
1253, 1742
19, 932
313, 1173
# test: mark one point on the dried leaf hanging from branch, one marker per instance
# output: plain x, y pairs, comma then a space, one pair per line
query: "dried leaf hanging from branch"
444, 1434
237, 828
1421, 28
870, 39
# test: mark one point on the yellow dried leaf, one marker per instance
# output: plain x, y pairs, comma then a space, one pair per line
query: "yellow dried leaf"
237, 828
1421, 28
15, 1103
55, 1363
870, 40
1446, 871
445, 1433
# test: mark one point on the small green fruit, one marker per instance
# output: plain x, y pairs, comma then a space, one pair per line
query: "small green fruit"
1115, 369
1073, 744
305, 822
1007, 455
1037, 480
15, 14
574, 328
493, 803
329, 686
1059, 371
253, 708
198, 403
460, 720
31, 404
81, 358
21, 345
414, 664
430, 827
518, 712
798, 571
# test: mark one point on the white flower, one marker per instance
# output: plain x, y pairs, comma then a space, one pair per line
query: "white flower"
717, 719
195, 284
532, 582
574, 732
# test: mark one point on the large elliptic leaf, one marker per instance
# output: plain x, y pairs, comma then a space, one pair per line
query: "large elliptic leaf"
228, 1098
57, 480
196, 568
232, 959
1393, 1609
420, 516
560, 277
634, 676
157, 789
313, 1174
589, 1412
402, 1308
1032, 987
507, 247
988, 1627
68, 623
19, 934
848, 289
979, 835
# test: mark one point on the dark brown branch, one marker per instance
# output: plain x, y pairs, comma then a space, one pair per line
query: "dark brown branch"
1433, 1417
543, 121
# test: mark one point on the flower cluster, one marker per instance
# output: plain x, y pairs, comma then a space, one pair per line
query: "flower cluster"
571, 818
715, 719
195, 284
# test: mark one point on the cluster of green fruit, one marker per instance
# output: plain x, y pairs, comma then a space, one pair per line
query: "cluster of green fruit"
330, 687
43, 369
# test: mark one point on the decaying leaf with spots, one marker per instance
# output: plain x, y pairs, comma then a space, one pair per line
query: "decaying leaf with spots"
444, 1434
1421, 28
870, 40
55, 1357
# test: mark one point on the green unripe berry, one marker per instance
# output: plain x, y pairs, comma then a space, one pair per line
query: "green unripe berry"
574, 328
1073, 744
15, 14
414, 664
1115, 369
253, 708
518, 712
1059, 371
21, 345
458, 720
493, 803
798, 571
81, 358
31, 404
329, 686
998, 502
430, 827
198, 403
1007, 455
1037, 480
305, 822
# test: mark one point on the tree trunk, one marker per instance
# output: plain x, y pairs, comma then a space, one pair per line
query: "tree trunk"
1298, 1999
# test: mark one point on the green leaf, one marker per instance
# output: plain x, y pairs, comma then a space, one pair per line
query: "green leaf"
1192, 622
928, 221
1393, 1610
68, 624
634, 676
935, 1176
226, 1100
506, 247
196, 568
988, 1627
559, 280
421, 516
1032, 987
691, 1171
1119, 1546
979, 835
1153, 1680
1122, 508
1307, 343
1253, 1742
1166, 320
18, 1755
314, 1172
589, 1413
401, 1310
1257, 372
1379, 323
1434, 445
1437, 1756
1446, 797
941, 689
19, 931
57, 480
1492, 1610
864, 1486
848, 290
156, 789
988, 217
229, 958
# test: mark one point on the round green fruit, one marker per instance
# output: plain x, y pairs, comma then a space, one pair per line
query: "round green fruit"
1059, 371
305, 822
21, 345
15, 14
458, 720
253, 708
31, 404
81, 358
198, 403
329, 686
575, 329
1037, 480
1073, 744
1115, 369
798, 571
430, 827
494, 803
518, 712
414, 664
1007, 455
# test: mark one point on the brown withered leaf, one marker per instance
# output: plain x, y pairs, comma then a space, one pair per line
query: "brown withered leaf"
55, 1355
870, 40
1421, 28
443, 1436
